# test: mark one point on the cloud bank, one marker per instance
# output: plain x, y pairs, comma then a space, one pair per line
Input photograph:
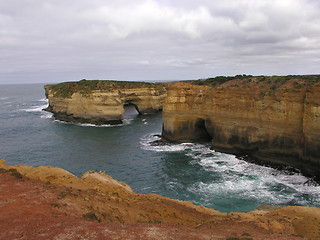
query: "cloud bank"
56, 40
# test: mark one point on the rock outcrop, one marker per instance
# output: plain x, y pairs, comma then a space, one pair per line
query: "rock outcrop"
102, 102
51, 203
274, 120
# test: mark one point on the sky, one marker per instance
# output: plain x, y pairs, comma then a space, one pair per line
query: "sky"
57, 40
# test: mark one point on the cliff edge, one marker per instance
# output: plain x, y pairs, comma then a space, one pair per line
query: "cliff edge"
270, 119
51, 203
102, 102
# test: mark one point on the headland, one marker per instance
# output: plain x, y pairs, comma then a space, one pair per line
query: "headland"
102, 102
272, 120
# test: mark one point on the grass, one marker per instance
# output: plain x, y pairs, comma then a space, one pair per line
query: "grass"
56, 205
91, 216
85, 87
62, 195
13, 172
244, 236
274, 81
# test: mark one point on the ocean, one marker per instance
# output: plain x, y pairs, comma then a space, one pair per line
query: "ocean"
127, 152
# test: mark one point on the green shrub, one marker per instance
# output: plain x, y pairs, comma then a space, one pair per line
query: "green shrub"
275, 81
56, 205
91, 216
15, 173
85, 87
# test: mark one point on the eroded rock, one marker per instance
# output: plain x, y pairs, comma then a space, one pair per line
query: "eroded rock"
272, 119
102, 102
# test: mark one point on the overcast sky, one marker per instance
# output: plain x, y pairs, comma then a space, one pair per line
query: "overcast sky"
60, 40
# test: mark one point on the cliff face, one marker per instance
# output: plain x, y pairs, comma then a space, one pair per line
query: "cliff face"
102, 102
271, 122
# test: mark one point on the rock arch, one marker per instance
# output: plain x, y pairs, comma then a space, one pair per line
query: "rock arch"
131, 103
102, 105
201, 131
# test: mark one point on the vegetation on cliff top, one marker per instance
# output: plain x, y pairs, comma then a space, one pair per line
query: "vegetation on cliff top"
273, 81
85, 87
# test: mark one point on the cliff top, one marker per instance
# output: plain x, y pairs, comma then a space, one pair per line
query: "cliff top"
97, 206
66, 89
271, 82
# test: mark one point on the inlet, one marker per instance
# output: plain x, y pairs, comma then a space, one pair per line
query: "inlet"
130, 111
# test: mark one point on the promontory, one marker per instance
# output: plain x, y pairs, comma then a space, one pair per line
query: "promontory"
102, 102
269, 119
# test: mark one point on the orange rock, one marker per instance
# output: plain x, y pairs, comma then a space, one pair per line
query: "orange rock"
271, 122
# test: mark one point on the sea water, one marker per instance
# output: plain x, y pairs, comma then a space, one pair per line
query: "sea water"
128, 153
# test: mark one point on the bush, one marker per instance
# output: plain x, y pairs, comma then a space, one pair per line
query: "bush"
275, 81
85, 87
15, 173
91, 216
56, 205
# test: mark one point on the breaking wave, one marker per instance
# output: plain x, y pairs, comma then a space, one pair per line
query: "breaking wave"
125, 122
153, 142
38, 106
229, 178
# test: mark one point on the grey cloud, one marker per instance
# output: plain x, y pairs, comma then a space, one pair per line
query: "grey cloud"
55, 40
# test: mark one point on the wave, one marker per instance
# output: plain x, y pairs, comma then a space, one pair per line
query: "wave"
43, 100
152, 142
46, 115
234, 178
249, 181
125, 122
35, 108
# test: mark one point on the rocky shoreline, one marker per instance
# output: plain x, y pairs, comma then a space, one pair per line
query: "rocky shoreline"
59, 205
273, 120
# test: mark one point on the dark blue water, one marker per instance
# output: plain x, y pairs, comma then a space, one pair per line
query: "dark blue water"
187, 171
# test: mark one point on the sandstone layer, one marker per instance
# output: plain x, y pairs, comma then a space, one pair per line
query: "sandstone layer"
102, 102
270, 119
51, 203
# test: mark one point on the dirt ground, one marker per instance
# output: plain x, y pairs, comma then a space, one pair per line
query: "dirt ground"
51, 203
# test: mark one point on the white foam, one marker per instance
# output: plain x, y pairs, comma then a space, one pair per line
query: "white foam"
250, 181
125, 122
46, 115
147, 143
35, 108
239, 179
43, 100
7, 103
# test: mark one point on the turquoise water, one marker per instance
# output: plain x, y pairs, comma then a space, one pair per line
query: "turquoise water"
187, 171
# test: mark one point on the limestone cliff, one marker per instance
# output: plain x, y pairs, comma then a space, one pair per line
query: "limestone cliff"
102, 102
272, 119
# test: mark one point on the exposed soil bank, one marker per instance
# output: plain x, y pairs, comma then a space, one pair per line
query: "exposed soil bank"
51, 203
